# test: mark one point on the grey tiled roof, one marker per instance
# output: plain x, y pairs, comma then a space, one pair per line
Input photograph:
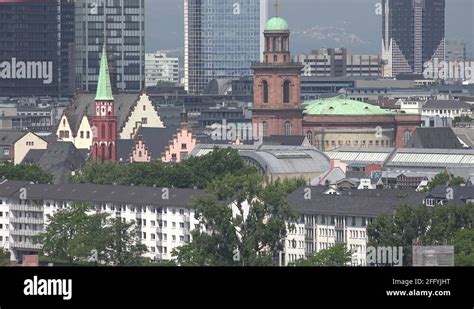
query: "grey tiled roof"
284, 140
438, 138
59, 160
9, 137
370, 203
102, 194
85, 104
156, 139
449, 104
460, 193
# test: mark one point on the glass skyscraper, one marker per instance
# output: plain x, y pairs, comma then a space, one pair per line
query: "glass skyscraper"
36, 42
413, 33
124, 21
222, 39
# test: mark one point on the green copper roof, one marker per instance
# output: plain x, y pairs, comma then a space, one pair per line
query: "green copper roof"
276, 24
340, 105
104, 88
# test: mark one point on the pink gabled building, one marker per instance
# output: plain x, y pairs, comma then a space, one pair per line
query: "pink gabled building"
166, 144
182, 144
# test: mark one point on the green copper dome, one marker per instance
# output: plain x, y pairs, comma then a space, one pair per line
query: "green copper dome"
104, 88
276, 24
341, 106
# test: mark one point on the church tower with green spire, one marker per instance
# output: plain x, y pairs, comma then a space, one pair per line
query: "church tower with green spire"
104, 123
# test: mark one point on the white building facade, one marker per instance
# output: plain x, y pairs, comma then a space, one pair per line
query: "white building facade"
160, 68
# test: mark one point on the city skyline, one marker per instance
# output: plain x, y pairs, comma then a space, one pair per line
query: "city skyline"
337, 23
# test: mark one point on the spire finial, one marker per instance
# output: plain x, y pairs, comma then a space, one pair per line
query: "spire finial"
277, 7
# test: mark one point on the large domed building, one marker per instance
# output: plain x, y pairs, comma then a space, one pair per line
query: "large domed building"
340, 122
327, 123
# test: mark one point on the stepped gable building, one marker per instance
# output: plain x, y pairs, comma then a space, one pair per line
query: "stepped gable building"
130, 112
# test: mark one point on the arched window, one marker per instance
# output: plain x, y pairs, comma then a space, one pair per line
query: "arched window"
103, 132
286, 91
283, 45
287, 128
102, 151
406, 137
111, 131
265, 128
309, 136
275, 44
111, 151
265, 91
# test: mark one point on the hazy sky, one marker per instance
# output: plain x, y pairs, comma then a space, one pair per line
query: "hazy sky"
314, 23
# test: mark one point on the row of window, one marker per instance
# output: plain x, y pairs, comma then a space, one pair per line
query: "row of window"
311, 220
164, 237
286, 91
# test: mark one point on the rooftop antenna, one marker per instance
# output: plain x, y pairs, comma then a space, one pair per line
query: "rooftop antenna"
277, 7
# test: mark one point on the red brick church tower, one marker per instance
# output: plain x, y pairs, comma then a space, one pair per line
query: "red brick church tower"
104, 123
277, 101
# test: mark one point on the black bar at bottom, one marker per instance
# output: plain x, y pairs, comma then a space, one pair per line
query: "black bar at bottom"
283, 286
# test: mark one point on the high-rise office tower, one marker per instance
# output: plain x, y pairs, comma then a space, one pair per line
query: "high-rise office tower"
222, 38
36, 41
124, 24
413, 34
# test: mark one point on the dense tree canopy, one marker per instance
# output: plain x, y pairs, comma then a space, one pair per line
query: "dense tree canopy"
337, 255
4, 257
78, 235
428, 226
193, 172
248, 233
443, 179
26, 172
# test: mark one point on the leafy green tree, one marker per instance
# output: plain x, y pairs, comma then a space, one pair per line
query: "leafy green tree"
4, 257
77, 234
440, 179
72, 234
456, 181
428, 226
248, 233
464, 247
337, 255
401, 229
123, 246
443, 179
463, 118
193, 172
24, 172
446, 220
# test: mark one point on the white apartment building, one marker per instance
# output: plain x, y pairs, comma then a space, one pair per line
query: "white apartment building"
342, 218
166, 221
446, 108
160, 68
339, 62
163, 217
